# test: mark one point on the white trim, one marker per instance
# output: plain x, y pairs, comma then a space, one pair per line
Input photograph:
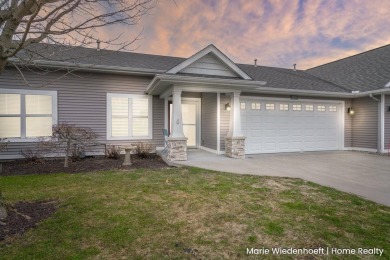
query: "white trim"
109, 118
23, 93
342, 126
218, 122
187, 82
210, 49
208, 149
166, 114
382, 123
198, 102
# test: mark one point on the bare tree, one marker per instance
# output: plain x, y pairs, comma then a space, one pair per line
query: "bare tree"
25, 22
67, 137
3, 205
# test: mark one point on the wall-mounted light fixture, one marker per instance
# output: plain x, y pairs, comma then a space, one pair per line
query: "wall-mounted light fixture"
351, 111
227, 107
388, 110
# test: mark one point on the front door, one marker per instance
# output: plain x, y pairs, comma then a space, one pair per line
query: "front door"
190, 114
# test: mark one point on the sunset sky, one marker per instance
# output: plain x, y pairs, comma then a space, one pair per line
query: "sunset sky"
276, 32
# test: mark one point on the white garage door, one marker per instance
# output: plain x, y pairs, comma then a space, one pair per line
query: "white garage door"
273, 126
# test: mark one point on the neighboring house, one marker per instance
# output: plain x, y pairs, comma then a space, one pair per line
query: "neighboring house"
206, 101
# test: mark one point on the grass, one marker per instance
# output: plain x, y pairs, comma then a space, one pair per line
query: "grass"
166, 213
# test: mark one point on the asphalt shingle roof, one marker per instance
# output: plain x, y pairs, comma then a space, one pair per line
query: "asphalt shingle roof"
81, 55
289, 79
365, 71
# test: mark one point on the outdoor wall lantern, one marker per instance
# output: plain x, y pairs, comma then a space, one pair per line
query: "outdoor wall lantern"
351, 111
388, 110
227, 107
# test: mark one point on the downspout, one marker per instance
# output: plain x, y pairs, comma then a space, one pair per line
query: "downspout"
379, 144
374, 98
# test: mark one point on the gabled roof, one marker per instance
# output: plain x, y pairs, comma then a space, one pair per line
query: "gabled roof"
365, 71
211, 49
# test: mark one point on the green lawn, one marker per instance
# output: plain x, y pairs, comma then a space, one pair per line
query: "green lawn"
161, 214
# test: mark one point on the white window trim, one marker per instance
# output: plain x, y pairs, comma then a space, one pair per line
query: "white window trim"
24, 92
109, 117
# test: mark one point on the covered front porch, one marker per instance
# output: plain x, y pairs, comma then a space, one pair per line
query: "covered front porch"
205, 120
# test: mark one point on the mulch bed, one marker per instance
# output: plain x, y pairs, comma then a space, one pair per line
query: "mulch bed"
25, 215
89, 164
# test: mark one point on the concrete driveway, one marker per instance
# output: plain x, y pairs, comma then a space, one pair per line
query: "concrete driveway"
363, 174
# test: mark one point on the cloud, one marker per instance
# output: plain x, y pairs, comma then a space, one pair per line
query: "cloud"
276, 32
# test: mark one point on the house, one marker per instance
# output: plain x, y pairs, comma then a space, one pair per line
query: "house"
206, 101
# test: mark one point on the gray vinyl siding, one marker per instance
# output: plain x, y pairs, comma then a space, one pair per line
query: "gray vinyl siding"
209, 65
225, 119
209, 120
365, 123
387, 122
347, 125
82, 100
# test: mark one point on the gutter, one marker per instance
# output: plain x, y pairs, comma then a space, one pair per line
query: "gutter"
258, 87
92, 67
174, 78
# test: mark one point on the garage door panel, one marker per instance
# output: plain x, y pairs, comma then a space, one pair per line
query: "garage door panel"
270, 131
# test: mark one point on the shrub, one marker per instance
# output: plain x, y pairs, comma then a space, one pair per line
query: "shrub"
143, 150
113, 152
32, 156
67, 136
77, 154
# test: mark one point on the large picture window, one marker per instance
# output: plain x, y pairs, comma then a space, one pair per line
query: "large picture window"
129, 116
27, 114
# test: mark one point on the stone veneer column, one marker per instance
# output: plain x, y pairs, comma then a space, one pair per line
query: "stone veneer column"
177, 149
177, 142
235, 140
235, 147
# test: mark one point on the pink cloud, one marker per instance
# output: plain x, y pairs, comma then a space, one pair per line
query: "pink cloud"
278, 33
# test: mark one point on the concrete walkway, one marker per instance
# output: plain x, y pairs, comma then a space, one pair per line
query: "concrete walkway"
363, 174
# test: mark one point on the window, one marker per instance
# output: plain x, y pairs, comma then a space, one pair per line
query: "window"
27, 113
321, 108
309, 108
243, 105
129, 116
256, 106
283, 107
270, 106
297, 107
332, 108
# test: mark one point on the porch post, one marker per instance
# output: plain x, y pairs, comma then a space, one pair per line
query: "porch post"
177, 142
177, 120
235, 140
